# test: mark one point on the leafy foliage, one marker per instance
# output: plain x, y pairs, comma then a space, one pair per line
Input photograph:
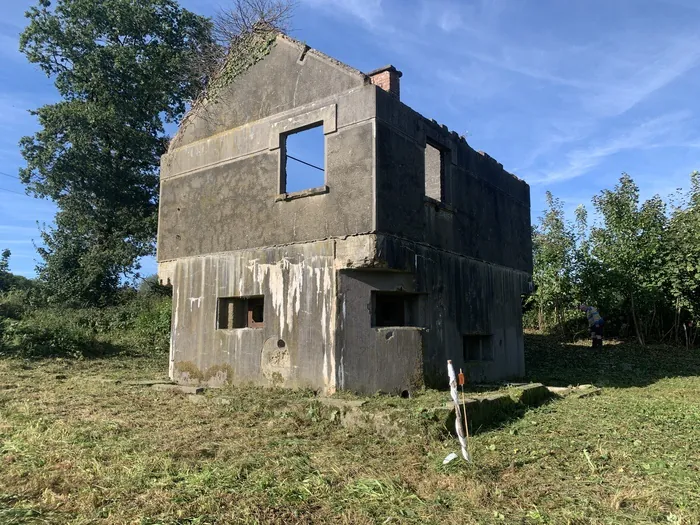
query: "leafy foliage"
639, 264
243, 34
5, 269
553, 252
122, 69
139, 326
8, 280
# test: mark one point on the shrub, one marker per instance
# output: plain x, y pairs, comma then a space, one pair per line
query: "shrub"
138, 326
47, 335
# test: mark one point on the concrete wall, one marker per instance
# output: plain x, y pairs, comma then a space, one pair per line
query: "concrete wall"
290, 76
457, 296
318, 302
226, 230
486, 213
223, 193
464, 296
298, 284
371, 359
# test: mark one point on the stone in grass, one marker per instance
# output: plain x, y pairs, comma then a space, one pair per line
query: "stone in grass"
485, 412
589, 392
559, 390
182, 389
533, 394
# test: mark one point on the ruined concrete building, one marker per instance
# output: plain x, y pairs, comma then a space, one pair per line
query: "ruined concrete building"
320, 233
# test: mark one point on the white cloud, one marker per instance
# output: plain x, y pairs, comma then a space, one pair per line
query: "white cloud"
635, 73
654, 133
369, 12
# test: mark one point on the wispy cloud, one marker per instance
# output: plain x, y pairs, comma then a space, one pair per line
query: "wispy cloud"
639, 71
654, 133
369, 12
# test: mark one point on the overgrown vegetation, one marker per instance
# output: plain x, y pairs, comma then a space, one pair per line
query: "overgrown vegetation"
137, 324
122, 70
77, 447
638, 262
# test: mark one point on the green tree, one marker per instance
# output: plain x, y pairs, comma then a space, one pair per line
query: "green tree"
123, 69
628, 249
554, 258
5, 274
682, 257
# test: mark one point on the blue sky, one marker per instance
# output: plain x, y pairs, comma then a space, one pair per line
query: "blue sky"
567, 95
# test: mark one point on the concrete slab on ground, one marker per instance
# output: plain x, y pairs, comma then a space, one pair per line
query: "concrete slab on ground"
181, 389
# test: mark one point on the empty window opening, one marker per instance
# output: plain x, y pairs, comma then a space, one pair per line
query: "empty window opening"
477, 347
304, 160
434, 172
394, 309
241, 312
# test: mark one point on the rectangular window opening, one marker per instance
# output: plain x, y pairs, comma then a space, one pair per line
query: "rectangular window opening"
241, 312
304, 158
477, 347
394, 309
434, 172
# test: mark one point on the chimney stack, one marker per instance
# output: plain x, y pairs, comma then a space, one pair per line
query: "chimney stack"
387, 78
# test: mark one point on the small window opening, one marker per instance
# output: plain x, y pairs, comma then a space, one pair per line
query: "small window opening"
394, 309
477, 347
304, 160
434, 172
241, 312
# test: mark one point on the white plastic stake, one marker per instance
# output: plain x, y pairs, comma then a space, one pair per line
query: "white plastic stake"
459, 427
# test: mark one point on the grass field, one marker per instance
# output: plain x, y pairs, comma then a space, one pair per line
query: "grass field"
78, 449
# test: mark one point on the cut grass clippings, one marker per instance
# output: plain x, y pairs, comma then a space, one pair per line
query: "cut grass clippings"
77, 448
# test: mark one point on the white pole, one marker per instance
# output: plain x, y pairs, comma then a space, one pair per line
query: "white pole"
459, 427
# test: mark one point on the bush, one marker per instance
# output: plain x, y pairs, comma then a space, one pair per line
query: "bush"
139, 326
50, 338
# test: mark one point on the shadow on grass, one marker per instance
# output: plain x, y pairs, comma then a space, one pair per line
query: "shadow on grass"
557, 363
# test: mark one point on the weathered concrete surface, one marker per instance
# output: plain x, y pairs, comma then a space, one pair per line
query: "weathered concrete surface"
487, 210
214, 201
226, 230
588, 392
485, 412
298, 283
284, 80
533, 395
395, 353
463, 296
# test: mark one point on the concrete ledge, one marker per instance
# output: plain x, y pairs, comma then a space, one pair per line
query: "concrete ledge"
438, 205
532, 395
576, 391
487, 412
180, 389
149, 382
588, 392
301, 194
327, 115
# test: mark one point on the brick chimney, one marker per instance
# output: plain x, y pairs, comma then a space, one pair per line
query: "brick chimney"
387, 78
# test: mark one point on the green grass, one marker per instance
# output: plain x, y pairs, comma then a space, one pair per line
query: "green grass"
78, 449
